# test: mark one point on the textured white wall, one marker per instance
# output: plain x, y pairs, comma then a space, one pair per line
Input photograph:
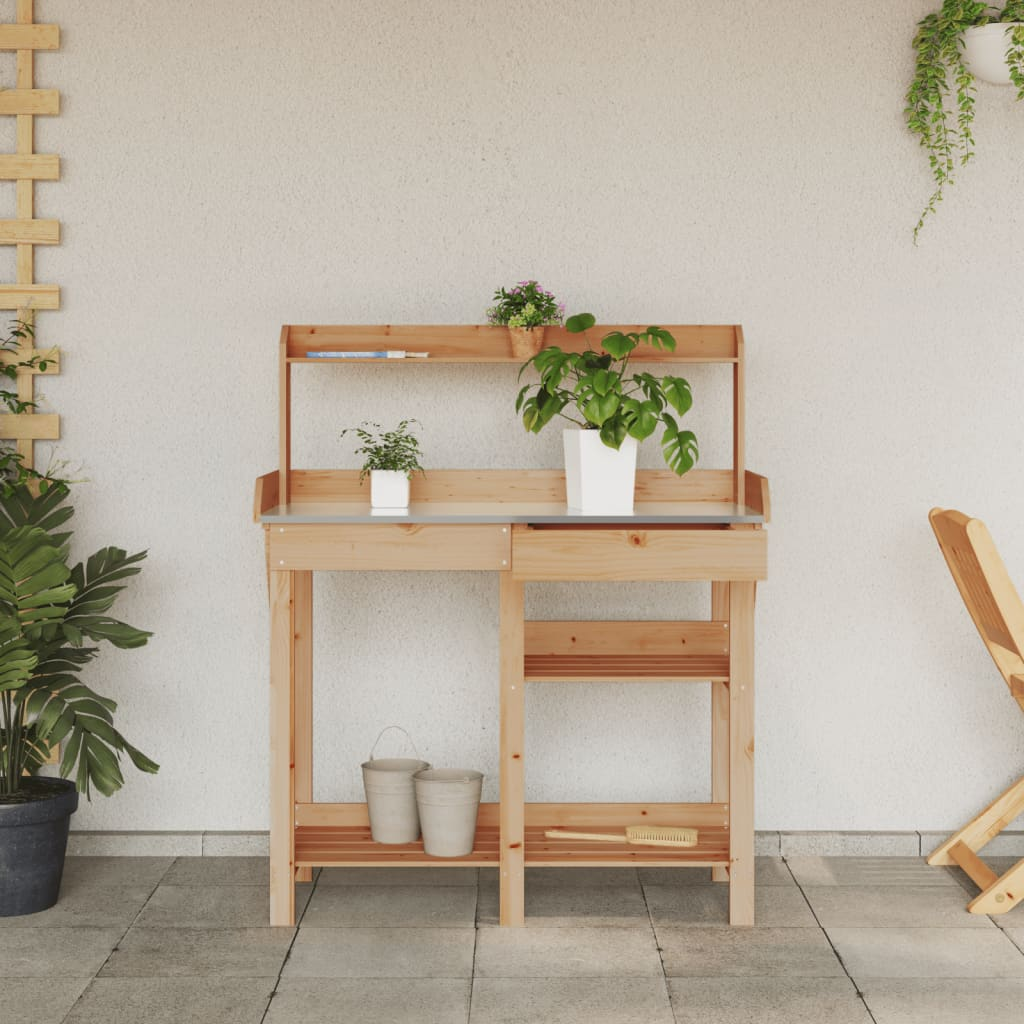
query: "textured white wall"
230, 167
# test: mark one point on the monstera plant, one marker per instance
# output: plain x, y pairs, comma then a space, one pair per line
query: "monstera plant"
53, 617
614, 408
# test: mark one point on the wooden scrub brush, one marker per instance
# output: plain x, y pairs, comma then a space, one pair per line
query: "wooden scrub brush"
638, 835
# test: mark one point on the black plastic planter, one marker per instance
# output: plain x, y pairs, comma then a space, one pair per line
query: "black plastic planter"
33, 840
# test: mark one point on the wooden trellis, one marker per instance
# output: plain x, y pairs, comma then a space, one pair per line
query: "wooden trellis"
25, 167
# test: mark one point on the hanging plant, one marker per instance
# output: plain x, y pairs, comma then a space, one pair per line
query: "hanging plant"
943, 80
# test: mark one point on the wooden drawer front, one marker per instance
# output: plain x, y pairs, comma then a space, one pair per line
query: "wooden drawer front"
683, 554
389, 546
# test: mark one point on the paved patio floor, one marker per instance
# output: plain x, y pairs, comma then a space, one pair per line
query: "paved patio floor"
838, 940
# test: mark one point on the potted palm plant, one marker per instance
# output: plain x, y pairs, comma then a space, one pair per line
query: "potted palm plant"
52, 616
390, 457
964, 40
613, 409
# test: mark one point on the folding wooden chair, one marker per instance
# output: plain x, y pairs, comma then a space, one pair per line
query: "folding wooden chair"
998, 613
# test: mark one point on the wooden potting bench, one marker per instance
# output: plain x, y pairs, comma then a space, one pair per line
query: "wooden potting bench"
706, 525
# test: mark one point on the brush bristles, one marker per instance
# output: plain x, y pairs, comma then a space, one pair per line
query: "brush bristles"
661, 835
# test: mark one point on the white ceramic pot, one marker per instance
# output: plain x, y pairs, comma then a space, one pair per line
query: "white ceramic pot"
389, 488
598, 479
985, 49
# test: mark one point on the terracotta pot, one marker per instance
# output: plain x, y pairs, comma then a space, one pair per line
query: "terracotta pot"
526, 341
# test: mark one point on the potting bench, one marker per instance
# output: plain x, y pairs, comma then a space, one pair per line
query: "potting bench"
706, 525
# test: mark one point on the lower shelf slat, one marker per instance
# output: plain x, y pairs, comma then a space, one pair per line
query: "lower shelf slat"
589, 667
353, 847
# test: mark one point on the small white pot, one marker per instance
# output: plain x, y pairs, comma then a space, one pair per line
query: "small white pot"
389, 488
598, 479
985, 49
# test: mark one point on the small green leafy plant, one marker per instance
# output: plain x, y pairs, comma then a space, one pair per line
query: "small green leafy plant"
51, 618
525, 305
397, 450
941, 74
13, 472
596, 385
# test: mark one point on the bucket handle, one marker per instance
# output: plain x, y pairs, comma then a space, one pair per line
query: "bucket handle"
401, 730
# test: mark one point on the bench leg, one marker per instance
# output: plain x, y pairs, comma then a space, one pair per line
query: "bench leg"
720, 723
513, 716
304, 697
741, 753
282, 750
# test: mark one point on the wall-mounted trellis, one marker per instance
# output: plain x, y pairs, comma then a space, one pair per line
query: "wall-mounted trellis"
25, 167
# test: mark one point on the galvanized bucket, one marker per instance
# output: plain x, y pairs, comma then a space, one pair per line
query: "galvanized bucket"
448, 801
390, 796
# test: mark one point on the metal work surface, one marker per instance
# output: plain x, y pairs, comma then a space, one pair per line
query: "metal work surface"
683, 513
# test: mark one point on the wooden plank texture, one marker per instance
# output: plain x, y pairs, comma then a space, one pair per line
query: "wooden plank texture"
389, 546
33, 166
546, 815
29, 232
29, 37
511, 485
282, 749
512, 715
29, 101
719, 722
267, 496
476, 343
642, 554
303, 697
353, 847
626, 638
741, 753
29, 296
636, 668
34, 426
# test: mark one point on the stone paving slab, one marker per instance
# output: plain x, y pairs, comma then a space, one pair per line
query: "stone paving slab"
871, 871
927, 953
173, 1001
767, 871
370, 1001
213, 906
87, 906
55, 952
570, 1001
945, 1000
707, 905
39, 1000
200, 952
394, 906
382, 953
767, 1001
923, 906
747, 952
576, 906
566, 953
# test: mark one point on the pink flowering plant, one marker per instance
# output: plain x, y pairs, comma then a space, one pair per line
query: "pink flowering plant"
525, 305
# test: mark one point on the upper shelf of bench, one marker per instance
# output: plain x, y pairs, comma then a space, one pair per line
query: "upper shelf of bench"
461, 343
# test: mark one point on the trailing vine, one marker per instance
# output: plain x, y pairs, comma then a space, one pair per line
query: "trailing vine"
1014, 11
13, 472
941, 76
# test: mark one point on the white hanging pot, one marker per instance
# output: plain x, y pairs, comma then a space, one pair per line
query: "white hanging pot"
985, 49
598, 479
389, 489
